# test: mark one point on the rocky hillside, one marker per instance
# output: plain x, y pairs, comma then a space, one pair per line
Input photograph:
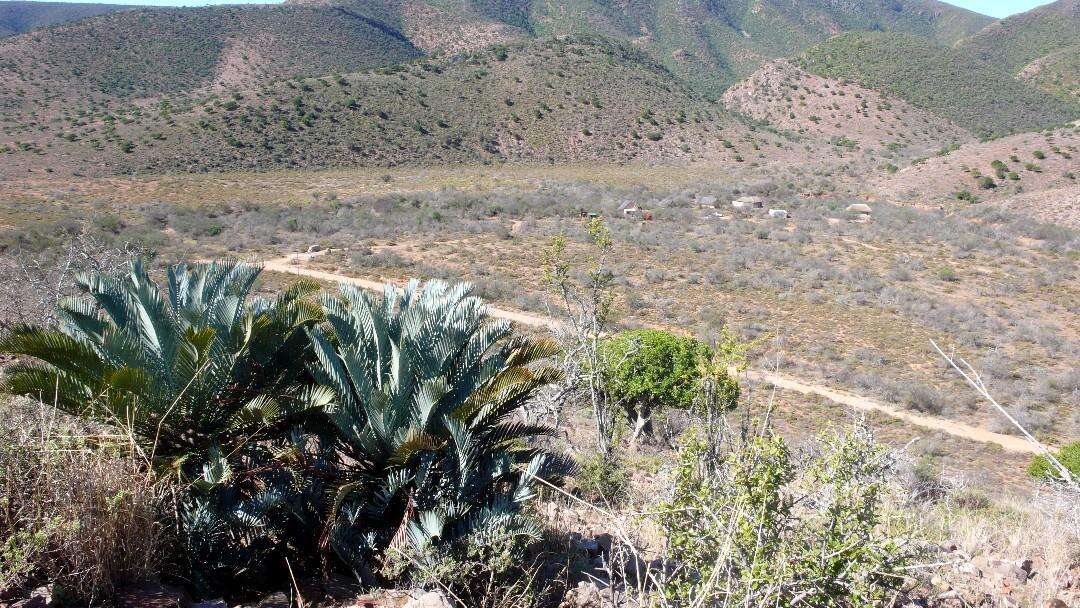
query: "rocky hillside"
974, 93
558, 100
152, 52
326, 83
708, 43
714, 43
19, 17
996, 170
842, 112
441, 27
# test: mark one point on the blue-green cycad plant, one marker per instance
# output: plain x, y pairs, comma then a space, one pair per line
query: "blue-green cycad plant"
428, 390
206, 379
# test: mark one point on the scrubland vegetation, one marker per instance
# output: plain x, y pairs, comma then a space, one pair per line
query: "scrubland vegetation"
19, 17
185, 430
658, 304
994, 283
980, 96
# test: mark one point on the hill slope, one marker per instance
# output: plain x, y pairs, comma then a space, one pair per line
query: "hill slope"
970, 92
709, 43
1041, 46
1024, 163
787, 97
18, 17
556, 100
712, 43
143, 53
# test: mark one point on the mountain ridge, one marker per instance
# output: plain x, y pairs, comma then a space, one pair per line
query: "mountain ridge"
20, 16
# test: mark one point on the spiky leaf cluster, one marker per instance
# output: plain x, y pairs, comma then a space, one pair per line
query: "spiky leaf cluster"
427, 390
210, 384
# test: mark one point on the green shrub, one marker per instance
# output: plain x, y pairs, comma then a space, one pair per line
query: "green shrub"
602, 480
648, 370
758, 527
1068, 456
946, 273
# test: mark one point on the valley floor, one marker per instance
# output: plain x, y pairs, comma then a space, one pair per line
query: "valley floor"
845, 303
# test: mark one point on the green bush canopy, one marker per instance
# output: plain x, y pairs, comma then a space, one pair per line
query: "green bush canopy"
648, 370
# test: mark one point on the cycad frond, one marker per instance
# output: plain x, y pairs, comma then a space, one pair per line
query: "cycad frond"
426, 384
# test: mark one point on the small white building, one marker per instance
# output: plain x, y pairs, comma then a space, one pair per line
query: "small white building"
628, 208
746, 202
778, 213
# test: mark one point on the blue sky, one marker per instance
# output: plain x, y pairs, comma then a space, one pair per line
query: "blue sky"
994, 8
998, 8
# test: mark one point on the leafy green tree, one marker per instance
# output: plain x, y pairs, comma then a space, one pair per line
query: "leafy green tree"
648, 370
205, 382
427, 390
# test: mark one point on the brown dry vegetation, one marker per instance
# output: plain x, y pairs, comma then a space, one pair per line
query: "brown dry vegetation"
846, 303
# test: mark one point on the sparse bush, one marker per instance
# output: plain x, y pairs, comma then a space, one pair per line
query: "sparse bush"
601, 479
924, 399
765, 527
1068, 456
497, 569
966, 195
78, 508
947, 274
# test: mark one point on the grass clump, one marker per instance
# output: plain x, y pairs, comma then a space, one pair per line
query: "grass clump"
78, 510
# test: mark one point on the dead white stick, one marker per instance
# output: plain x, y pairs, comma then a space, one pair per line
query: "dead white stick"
972, 377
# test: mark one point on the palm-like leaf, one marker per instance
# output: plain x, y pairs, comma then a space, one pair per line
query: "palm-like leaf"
427, 389
185, 370
207, 380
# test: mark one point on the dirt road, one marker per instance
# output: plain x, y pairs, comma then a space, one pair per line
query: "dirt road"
294, 265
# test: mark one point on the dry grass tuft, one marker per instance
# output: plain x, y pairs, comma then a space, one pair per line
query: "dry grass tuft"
77, 510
